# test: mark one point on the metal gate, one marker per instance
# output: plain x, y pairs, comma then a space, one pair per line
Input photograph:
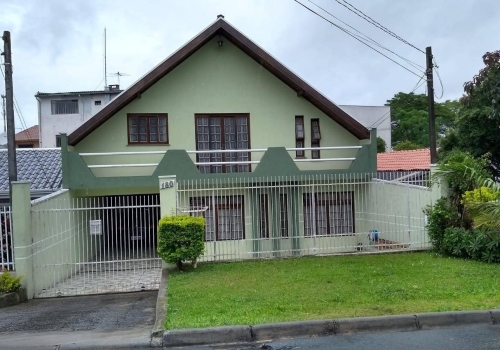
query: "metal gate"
95, 245
6, 246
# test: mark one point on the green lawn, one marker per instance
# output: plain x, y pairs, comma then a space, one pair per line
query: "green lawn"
328, 287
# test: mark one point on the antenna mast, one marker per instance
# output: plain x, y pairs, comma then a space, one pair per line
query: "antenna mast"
105, 68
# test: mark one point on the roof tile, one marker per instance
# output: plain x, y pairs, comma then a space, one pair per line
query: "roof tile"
30, 134
41, 166
419, 159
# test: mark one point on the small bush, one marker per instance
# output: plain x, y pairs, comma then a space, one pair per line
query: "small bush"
181, 238
480, 244
9, 283
482, 194
440, 217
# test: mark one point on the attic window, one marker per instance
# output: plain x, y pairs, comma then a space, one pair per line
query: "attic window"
299, 135
148, 129
315, 138
97, 103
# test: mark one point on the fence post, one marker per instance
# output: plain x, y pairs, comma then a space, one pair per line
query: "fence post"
168, 195
21, 233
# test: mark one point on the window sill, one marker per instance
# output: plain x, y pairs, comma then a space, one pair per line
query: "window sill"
147, 144
299, 157
331, 236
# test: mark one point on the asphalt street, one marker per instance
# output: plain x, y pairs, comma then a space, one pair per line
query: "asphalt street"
450, 338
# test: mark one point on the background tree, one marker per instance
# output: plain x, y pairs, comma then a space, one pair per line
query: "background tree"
410, 121
381, 145
477, 128
406, 146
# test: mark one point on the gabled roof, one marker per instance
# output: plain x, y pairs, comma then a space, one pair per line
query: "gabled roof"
30, 134
40, 166
419, 159
221, 27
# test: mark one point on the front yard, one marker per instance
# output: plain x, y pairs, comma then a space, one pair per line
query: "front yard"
253, 292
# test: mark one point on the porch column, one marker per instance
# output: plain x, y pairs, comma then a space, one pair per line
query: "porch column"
21, 234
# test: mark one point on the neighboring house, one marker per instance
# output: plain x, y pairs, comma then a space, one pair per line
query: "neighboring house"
63, 112
28, 138
411, 167
3, 140
42, 167
378, 117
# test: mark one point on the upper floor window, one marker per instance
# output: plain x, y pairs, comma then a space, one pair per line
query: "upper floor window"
299, 135
58, 140
64, 107
315, 137
147, 129
223, 132
97, 103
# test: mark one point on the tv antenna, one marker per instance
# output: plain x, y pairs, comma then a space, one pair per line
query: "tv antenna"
118, 75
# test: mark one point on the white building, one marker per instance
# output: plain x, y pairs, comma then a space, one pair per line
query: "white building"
64, 112
370, 117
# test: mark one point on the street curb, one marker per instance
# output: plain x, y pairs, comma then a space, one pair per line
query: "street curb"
376, 324
161, 301
204, 336
443, 319
13, 298
266, 332
263, 332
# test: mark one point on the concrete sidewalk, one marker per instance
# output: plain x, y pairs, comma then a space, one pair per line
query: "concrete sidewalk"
119, 320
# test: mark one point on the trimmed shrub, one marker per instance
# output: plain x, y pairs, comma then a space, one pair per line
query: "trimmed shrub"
9, 283
181, 238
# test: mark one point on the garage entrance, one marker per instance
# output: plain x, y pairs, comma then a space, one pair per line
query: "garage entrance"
106, 245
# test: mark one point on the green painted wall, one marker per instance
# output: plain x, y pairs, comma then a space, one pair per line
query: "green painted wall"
218, 80
59, 228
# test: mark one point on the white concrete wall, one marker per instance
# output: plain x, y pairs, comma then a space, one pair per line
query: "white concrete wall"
55, 124
370, 117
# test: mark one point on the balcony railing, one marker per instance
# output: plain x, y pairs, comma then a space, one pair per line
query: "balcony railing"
257, 150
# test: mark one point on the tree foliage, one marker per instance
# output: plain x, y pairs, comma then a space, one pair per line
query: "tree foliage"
381, 145
477, 127
406, 146
410, 121
467, 223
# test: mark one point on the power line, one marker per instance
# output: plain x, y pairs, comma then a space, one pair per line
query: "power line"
356, 37
370, 20
440, 81
379, 121
415, 65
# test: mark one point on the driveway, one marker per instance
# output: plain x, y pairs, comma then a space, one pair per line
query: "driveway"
45, 323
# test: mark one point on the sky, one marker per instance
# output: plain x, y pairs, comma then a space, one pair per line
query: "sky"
58, 46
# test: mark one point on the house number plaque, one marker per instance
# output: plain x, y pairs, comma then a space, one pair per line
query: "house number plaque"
167, 184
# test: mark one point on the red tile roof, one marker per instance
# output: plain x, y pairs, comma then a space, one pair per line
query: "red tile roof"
419, 159
30, 134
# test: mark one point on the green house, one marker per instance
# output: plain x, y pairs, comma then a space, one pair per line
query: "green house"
254, 148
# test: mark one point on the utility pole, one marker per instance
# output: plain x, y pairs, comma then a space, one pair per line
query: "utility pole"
430, 98
9, 95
